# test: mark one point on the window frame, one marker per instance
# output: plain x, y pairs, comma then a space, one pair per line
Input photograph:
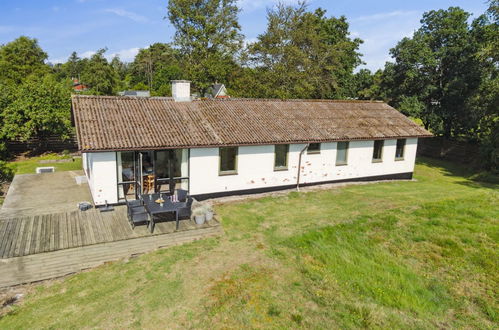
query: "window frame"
236, 161
314, 152
403, 149
380, 159
281, 168
343, 162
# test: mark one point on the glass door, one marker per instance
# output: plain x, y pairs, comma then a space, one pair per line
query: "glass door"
162, 165
127, 175
171, 168
146, 172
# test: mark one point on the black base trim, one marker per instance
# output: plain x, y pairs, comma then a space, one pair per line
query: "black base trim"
397, 176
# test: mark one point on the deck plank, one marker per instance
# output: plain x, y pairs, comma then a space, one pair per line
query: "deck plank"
3, 244
12, 240
32, 243
28, 227
3, 229
18, 239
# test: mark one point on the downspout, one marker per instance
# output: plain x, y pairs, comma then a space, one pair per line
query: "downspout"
299, 166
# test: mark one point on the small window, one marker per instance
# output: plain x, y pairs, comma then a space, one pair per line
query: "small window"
342, 153
378, 151
314, 148
281, 157
399, 151
228, 160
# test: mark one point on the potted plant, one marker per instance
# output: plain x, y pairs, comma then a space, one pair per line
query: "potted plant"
208, 211
199, 215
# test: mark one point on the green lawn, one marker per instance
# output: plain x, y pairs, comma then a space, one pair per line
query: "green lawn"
29, 165
420, 254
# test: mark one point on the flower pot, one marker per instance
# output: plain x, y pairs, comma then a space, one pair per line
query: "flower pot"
209, 215
199, 219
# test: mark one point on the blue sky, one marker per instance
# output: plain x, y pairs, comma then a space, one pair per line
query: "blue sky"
124, 26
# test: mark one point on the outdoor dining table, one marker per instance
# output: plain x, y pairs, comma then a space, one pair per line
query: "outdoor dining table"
154, 208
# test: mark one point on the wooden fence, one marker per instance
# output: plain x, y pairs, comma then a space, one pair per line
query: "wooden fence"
52, 143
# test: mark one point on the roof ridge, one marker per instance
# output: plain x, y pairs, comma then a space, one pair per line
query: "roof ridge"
226, 99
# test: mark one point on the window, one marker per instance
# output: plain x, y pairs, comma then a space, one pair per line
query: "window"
342, 153
228, 160
281, 157
378, 151
314, 148
399, 151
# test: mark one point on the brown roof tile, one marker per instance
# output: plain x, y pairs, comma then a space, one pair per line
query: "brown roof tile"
129, 123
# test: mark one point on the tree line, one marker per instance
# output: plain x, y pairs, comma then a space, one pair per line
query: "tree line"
445, 75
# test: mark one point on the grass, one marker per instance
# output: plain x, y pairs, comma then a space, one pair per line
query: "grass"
29, 165
417, 254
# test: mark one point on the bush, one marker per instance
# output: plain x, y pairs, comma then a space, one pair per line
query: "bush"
6, 173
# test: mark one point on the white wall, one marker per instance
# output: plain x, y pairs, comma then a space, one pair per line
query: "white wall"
256, 166
101, 174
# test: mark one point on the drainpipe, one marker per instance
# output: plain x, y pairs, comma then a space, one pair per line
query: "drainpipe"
299, 166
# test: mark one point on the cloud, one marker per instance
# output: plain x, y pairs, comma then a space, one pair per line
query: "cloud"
127, 14
380, 33
6, 29
126, 55
250, 5
382, 16
87, 54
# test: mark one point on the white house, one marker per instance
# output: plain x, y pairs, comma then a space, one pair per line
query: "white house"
219, 147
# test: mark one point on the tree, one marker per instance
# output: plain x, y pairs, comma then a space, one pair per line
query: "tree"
99, 74
21, 58
155, 66
41, 108
438, 67
303, 54
73, 67
208, 37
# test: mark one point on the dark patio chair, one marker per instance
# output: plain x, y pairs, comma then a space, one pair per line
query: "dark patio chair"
136, 212
184, 209
182, 195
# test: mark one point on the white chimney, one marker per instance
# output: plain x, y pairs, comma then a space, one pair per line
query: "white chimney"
181, 90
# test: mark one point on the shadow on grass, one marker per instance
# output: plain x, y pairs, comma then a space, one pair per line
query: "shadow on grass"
472, 178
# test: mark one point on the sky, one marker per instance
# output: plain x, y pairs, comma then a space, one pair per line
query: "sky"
125, 26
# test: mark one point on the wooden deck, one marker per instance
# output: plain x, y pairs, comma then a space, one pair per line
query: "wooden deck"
52, 232
43, 266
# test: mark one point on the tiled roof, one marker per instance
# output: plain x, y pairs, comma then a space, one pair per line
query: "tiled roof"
130, 123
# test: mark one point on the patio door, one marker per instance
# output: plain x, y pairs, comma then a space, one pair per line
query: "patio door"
171, 169
146, 172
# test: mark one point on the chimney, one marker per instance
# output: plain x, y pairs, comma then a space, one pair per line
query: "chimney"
181, 90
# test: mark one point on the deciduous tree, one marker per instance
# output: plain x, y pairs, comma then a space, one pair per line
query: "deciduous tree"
304, 54
208, 37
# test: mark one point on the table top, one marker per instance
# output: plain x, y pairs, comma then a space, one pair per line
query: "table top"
155, 208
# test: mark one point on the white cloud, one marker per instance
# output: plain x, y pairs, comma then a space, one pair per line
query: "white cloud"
382, 16
381, 32
6, 29
250, 5
127, 14
126, 55
87, 54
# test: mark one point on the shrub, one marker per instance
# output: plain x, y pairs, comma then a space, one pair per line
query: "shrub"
6, 173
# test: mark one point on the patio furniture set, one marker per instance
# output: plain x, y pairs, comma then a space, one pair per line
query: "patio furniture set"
149, 207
